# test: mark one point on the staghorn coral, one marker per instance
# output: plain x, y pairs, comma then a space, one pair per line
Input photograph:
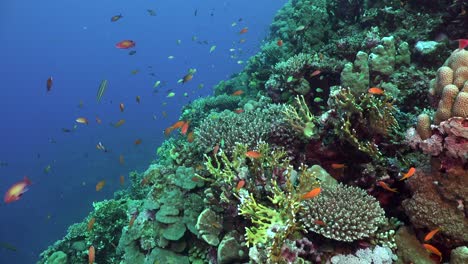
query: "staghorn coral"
301, 119
348, 213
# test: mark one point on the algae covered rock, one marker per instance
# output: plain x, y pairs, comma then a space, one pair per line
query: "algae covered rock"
167, 214
459, 255
184, 178
230, 250
356, 75
382, 58
174, 231
410, 249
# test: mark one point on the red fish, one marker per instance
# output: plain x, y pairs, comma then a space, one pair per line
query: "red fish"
244, 30
190, 137
431, 234
313, 193
253, 154
376, 91
433, 250
125, 44
100, 185
138, 141
239, 110
216, 149
410, 173
337, 166
240, 184
315, 73
279, 43
91, 223
91, 255
122, 180
462, 43
237, 93
15, 192
185, 128
50, 82
386, 187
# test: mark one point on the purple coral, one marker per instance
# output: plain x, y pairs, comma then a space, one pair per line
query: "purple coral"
307, 250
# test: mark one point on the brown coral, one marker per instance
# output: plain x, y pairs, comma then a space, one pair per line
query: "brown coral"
444, 110
424, 126
459, 58
444, 78
460, 106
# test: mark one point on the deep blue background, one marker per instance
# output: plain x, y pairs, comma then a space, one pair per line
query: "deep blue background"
73, 41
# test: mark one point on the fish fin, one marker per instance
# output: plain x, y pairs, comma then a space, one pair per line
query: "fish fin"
27, 180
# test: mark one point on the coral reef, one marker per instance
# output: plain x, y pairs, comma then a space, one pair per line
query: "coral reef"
325, 176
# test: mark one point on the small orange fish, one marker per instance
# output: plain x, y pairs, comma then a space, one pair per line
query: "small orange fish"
386, 187
138, 98
185, 128
279, 43
216, 149
98, 120
178, 124
431, 234
337, 166
121, 159
410, 173
240, 184
119, 123
253, 154
91, 223
15, 192
376, 91
100, 185
91, 255
138, 141
82, 120
195, 179
239, 110
122, 180
238, 92
315, 73
168, 131
125, 44
244, 30
433, 250
132, 220
49, 84
313, 193
190, 137
122, 107
320, 223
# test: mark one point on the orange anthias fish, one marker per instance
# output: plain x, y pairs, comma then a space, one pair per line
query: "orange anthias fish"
122, 107
253, 154
190, 137
313, 193
138, 141
433, 250
320, 223
244, 30
279, 43
240, 184
185, 128
431, 234
376, 91
337, 166
122, 180
168, 131
410, 173
121, 160
49, 84
125, 44
238, 92
91, 255
91, 223
315, 73
239, 110
82, 120
178, 124
15, 192
100, 185
386, 187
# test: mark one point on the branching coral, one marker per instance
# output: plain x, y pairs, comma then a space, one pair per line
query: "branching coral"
301, 119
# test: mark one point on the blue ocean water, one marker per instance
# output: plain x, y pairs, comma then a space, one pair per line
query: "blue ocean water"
74, 42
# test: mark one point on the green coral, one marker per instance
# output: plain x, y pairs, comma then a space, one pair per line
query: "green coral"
301, 119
